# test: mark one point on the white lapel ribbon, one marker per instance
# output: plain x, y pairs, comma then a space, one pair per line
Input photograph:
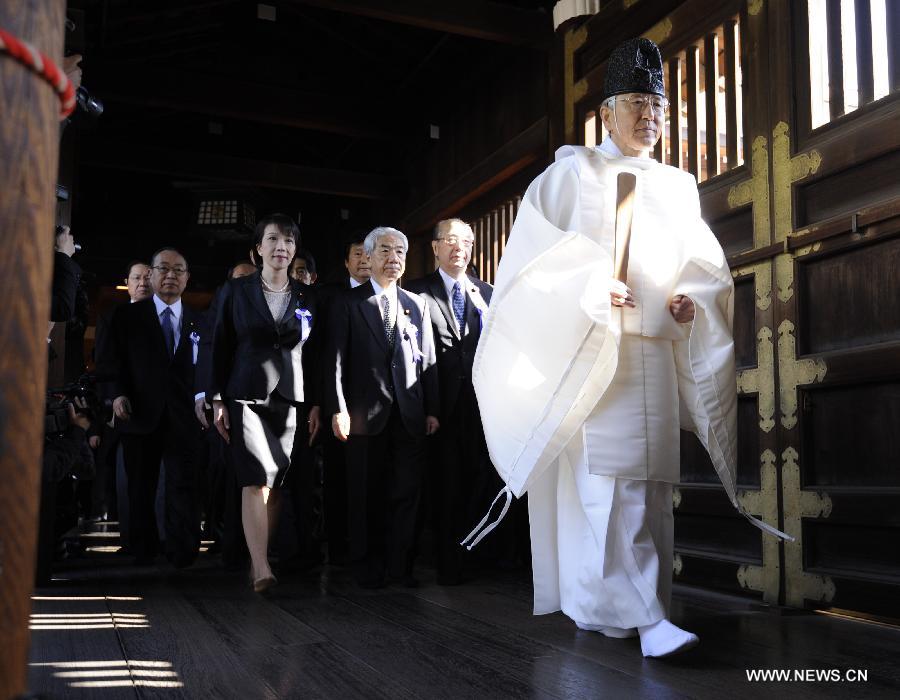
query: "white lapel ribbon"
305, 317
411, 333
195, 345
480, 306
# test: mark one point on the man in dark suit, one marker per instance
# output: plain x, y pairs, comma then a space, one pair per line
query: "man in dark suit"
383, 401
462, 471
334, 494
111, 483
151, 359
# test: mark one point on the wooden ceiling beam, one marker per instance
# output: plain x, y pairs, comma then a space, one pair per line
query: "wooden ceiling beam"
474, 18
218, 96
512, 158
213, 167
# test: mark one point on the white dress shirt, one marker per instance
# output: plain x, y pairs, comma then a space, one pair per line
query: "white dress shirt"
353, 283
391, 294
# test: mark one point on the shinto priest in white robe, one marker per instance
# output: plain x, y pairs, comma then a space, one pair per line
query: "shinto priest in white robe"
582, 402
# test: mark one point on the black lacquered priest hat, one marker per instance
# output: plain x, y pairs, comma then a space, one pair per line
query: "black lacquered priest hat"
634, 66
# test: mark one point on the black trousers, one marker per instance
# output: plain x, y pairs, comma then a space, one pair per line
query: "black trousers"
305, 484
462, 485
335, 495
179, 449
384, 483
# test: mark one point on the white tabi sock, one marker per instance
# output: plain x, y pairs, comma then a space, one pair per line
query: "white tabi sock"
614, 632
664, 639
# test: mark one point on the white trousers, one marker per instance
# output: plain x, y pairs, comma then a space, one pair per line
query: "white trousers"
602, 547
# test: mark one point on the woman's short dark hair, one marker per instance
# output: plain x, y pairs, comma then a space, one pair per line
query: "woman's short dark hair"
285, 224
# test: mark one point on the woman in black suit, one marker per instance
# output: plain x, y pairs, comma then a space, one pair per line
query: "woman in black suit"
263, 364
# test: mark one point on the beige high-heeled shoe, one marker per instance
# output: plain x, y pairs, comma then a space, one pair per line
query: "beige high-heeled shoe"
264, 584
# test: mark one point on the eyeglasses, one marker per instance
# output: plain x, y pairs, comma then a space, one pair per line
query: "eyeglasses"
165, 270
637, 103
453, 241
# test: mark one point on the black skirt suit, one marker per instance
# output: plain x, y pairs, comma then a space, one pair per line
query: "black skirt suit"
264, 368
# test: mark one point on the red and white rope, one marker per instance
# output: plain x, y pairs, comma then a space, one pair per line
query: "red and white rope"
40, 63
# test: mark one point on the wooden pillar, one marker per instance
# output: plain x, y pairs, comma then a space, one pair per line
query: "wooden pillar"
692, 71
731, 89
835, 59
29, 142
675, 121
865, 78
711, 84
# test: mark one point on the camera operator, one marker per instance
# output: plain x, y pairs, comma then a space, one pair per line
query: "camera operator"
66, 455
66, 274
72, 69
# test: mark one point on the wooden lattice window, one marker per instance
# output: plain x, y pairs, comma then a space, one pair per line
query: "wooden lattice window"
853, 55
491, 233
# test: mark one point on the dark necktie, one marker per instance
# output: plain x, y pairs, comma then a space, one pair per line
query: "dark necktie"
459, 307
389, 329
168, 329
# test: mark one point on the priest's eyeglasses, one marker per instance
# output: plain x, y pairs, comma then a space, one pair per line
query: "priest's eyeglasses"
165, 270
453, 241
637, 103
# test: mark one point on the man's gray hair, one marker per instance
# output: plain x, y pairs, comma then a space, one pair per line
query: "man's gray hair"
380, 232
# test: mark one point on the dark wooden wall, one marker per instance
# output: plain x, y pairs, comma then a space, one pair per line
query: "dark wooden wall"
492, 128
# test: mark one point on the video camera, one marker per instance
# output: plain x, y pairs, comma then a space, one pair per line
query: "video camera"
56, 416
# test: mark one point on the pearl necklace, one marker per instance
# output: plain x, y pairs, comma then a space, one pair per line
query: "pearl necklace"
275, 291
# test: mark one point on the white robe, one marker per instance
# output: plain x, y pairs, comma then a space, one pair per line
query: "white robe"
549, 350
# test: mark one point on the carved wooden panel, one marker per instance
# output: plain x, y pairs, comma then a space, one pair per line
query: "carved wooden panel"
847, 191
745, 322
851, 436
735, 231
849, 299
696, 467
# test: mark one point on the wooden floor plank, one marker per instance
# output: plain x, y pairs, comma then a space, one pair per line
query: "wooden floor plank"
730, 644
74, 647
546, 668
320, 636
326, 672
179, 635
420, 665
